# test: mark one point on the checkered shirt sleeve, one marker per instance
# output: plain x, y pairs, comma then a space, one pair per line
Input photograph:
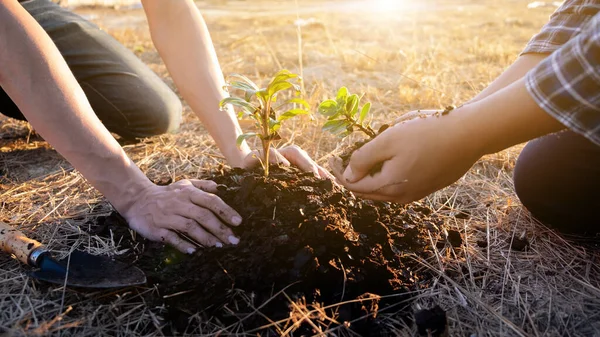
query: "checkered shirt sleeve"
567, 83
566, 22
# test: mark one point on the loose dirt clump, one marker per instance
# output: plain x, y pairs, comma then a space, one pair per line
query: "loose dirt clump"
431, 322
302, 234
347, 152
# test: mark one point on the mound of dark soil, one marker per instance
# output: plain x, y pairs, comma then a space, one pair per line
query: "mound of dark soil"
300, 233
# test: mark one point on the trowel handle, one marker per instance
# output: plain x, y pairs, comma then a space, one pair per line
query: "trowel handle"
13, 241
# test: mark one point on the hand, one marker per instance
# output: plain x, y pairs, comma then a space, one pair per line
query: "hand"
419, 156
290, 155
187, 207
416, 114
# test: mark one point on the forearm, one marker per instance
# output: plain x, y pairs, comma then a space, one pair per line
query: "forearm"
506, 118
38, 80
514, 72
183, 42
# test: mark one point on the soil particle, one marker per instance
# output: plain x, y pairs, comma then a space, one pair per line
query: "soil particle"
518, 244
454, 238
431, 322
347, 153
448, 109
482, 243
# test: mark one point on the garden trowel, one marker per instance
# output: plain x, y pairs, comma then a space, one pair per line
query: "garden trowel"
78, 269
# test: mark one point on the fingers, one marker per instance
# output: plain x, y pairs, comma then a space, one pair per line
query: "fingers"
289, 155
376, 187
204, 228
170, 237
217, 206
324, 174
365, 158
253, 159
337, 167
300, 159
414, 114
378, 197
275, 157
205, 185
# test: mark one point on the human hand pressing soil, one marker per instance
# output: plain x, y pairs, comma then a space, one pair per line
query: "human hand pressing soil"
186, 208
289, 155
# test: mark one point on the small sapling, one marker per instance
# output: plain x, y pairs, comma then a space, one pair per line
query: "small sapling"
345, 115
260, 105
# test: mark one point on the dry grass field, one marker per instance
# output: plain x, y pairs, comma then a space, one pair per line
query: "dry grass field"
422, 54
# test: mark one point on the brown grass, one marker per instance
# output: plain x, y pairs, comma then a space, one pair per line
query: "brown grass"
440, 54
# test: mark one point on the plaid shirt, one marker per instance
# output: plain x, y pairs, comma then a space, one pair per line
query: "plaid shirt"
567, 83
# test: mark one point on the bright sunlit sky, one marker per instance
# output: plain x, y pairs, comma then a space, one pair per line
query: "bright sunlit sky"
389, 5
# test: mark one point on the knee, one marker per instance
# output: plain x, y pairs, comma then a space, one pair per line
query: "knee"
554, 181
130, 99
163, 111
528, 187
539, 178
151, 109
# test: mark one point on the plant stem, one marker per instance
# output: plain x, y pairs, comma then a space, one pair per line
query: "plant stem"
266, 139
367, 130
300, 63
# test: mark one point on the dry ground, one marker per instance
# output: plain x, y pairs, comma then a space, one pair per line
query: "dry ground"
430, 54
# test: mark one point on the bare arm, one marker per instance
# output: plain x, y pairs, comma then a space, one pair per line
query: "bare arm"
38, 80
514, 72
183, 42
425, 154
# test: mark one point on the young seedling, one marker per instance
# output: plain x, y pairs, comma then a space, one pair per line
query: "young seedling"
259, 105
344, 114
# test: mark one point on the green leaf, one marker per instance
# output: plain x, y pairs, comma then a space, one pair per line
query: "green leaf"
236, 101
242, 138
328, 108
292, 113
245, 80
364, 112
242, 86
336, 126
335, 116
274, 125
277, 87
298, 101
342, 93
282, 76
262, 94
248, 90
352, 105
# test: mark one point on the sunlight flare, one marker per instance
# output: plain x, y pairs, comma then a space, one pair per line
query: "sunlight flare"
389, 5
